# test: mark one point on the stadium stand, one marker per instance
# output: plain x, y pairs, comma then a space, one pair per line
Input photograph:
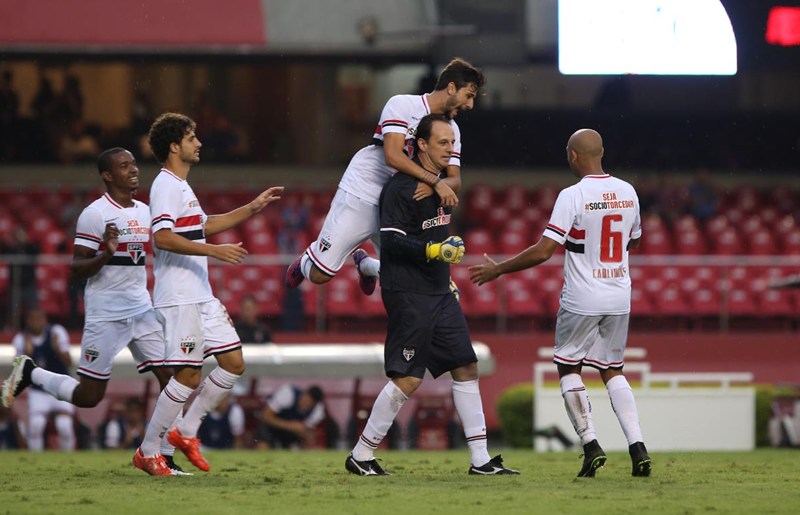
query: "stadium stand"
687, 268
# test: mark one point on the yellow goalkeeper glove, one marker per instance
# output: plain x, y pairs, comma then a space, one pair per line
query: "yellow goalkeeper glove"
450, 250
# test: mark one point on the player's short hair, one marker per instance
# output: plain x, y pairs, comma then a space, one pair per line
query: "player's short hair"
168, 128
460, 72
425, 128
104, 162
316, 393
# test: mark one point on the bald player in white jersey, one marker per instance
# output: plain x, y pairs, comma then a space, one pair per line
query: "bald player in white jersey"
353, 215
598, 221
110, 250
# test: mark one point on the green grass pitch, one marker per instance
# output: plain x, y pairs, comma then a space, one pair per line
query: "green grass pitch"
435, 482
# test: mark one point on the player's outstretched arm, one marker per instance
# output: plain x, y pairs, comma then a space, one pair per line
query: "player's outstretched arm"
232, 253
217, 223
532, 256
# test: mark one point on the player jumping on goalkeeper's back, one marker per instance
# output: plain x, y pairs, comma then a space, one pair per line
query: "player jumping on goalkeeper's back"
426, 327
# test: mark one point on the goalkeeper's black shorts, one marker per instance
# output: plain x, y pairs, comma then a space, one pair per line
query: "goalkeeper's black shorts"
425, 332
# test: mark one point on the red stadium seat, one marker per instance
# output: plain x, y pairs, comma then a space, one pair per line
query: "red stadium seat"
641, 303
262, 242
670, 302
483, 300
690, 242
520, 299
705, 302
342, 296
496, 218
741, 302
512, 243
727, 242
657, 242
762, 243
372, 305
310, 293
773, 302
790, 241
479, 242
514, 197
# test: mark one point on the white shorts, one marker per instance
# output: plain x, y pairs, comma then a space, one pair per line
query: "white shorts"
596, 341
103, 340
195, 331
350, 222
42, 403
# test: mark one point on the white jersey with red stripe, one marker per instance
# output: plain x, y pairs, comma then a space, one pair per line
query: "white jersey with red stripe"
368, 172
180, 279
119, 290
595, 219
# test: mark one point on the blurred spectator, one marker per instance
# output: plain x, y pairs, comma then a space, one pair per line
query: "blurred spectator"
78, 145
70, 102
249, 326
142, 113
126, 430
223, 428
10, 434
75, 285
48, 346
614, 94
702, 196
22, 295
44, 102
222, 142
9, 111
290, 417
291, 234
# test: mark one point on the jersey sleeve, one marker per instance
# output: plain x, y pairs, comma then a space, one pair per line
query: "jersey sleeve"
455, 158
90, 228
561, 219
236, 420
636, 229
18, 342
63, 337
283, 398
395, 116
165, 203
316, 416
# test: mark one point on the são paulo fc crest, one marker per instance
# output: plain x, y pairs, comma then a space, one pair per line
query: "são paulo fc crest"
324, 244
408, 353
90, 354
135, 251
188, 344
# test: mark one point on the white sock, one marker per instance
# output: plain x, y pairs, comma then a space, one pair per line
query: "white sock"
212, 391
305, 265
467, 398
59, 386
65, 427
169, 404
370, 266
625, 407
36, 425
166, 448
385, 409
576, 400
